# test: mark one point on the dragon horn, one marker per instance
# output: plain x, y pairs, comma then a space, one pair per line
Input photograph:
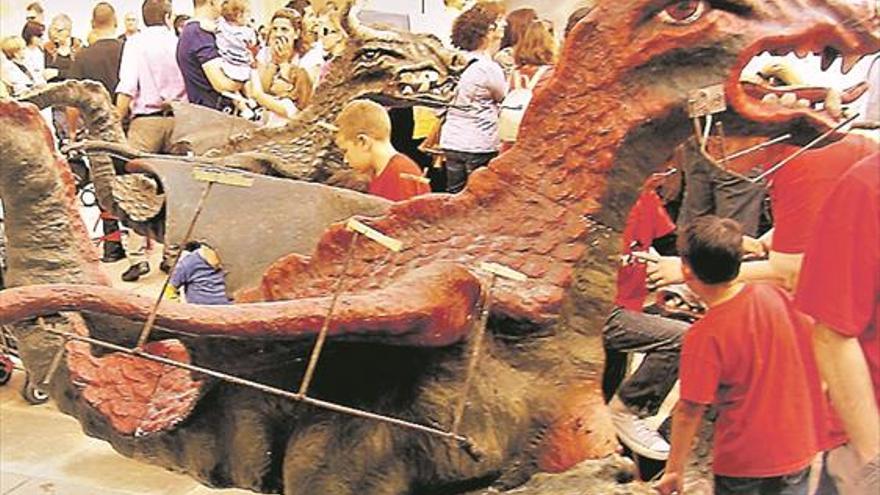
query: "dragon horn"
352, 25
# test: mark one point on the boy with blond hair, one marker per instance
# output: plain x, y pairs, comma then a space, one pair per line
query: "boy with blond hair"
365, 137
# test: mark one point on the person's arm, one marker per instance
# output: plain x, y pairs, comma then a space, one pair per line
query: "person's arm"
756, 271
280, 52
666, 270
128, 78
685, 424
219, 81
265, 100
123, 104
266, 72
843, 367
496, 83
206, 54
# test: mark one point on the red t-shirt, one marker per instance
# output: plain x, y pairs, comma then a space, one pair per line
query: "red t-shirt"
746, 357
647, 221
798, 190
839, 282
390, 185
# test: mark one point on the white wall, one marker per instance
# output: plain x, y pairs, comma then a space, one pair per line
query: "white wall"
80, 11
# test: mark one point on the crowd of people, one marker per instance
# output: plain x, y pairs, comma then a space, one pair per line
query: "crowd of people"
790, 294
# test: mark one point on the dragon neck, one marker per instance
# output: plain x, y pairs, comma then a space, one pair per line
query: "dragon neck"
96, 107
47, 239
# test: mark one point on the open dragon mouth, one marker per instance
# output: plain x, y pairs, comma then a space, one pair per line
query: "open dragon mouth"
425, 84
774, 98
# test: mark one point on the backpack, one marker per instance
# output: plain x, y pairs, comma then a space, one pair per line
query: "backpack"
516, 102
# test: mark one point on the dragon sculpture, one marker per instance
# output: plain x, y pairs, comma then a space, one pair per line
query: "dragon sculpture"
552, 208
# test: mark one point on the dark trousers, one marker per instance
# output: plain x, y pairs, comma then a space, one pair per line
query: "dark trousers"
709, 190
789, 484
460, 165
660, 339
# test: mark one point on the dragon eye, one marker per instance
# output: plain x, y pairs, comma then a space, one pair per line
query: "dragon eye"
370, 55
683, 12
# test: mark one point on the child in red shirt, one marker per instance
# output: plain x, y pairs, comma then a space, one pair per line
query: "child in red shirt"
750, 357
628, 329
365, 137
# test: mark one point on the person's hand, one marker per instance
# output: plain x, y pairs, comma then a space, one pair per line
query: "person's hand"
754, 248
670, 483
282, 49
663, 271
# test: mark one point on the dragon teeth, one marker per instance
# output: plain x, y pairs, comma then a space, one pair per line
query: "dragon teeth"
849, 61
834, 103
788, 100
829, 54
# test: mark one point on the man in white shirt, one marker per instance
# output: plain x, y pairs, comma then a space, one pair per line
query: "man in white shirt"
149, 80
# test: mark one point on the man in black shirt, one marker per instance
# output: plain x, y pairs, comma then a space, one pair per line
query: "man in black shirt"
100, 62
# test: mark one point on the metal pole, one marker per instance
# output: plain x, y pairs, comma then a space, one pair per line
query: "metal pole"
270, 390
758, 147
799, 152
474, 357
56, 360
151, 319
322, 335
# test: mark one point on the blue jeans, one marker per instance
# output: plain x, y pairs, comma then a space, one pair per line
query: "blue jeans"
789, 484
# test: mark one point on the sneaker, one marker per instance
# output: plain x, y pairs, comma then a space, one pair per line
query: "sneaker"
638, 436
135, 271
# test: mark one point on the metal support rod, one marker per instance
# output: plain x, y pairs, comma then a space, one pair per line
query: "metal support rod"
330, 406
799, 152
476, 349
707, 130
322, 335
758, 147
56, 360
151, 319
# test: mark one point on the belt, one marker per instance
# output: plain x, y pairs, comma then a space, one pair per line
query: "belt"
160, 113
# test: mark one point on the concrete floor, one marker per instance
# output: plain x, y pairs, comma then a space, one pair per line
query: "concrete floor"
44, 452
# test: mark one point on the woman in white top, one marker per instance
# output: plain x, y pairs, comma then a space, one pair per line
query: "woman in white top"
280, 85
34, 57
16, 75
469, 136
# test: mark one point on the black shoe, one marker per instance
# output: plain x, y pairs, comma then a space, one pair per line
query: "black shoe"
112, 255
134, 272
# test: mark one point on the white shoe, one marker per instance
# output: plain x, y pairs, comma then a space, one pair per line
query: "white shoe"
638, 436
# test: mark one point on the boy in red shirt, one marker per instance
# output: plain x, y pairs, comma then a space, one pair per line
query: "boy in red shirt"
628, 329
749, 357
365, 137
